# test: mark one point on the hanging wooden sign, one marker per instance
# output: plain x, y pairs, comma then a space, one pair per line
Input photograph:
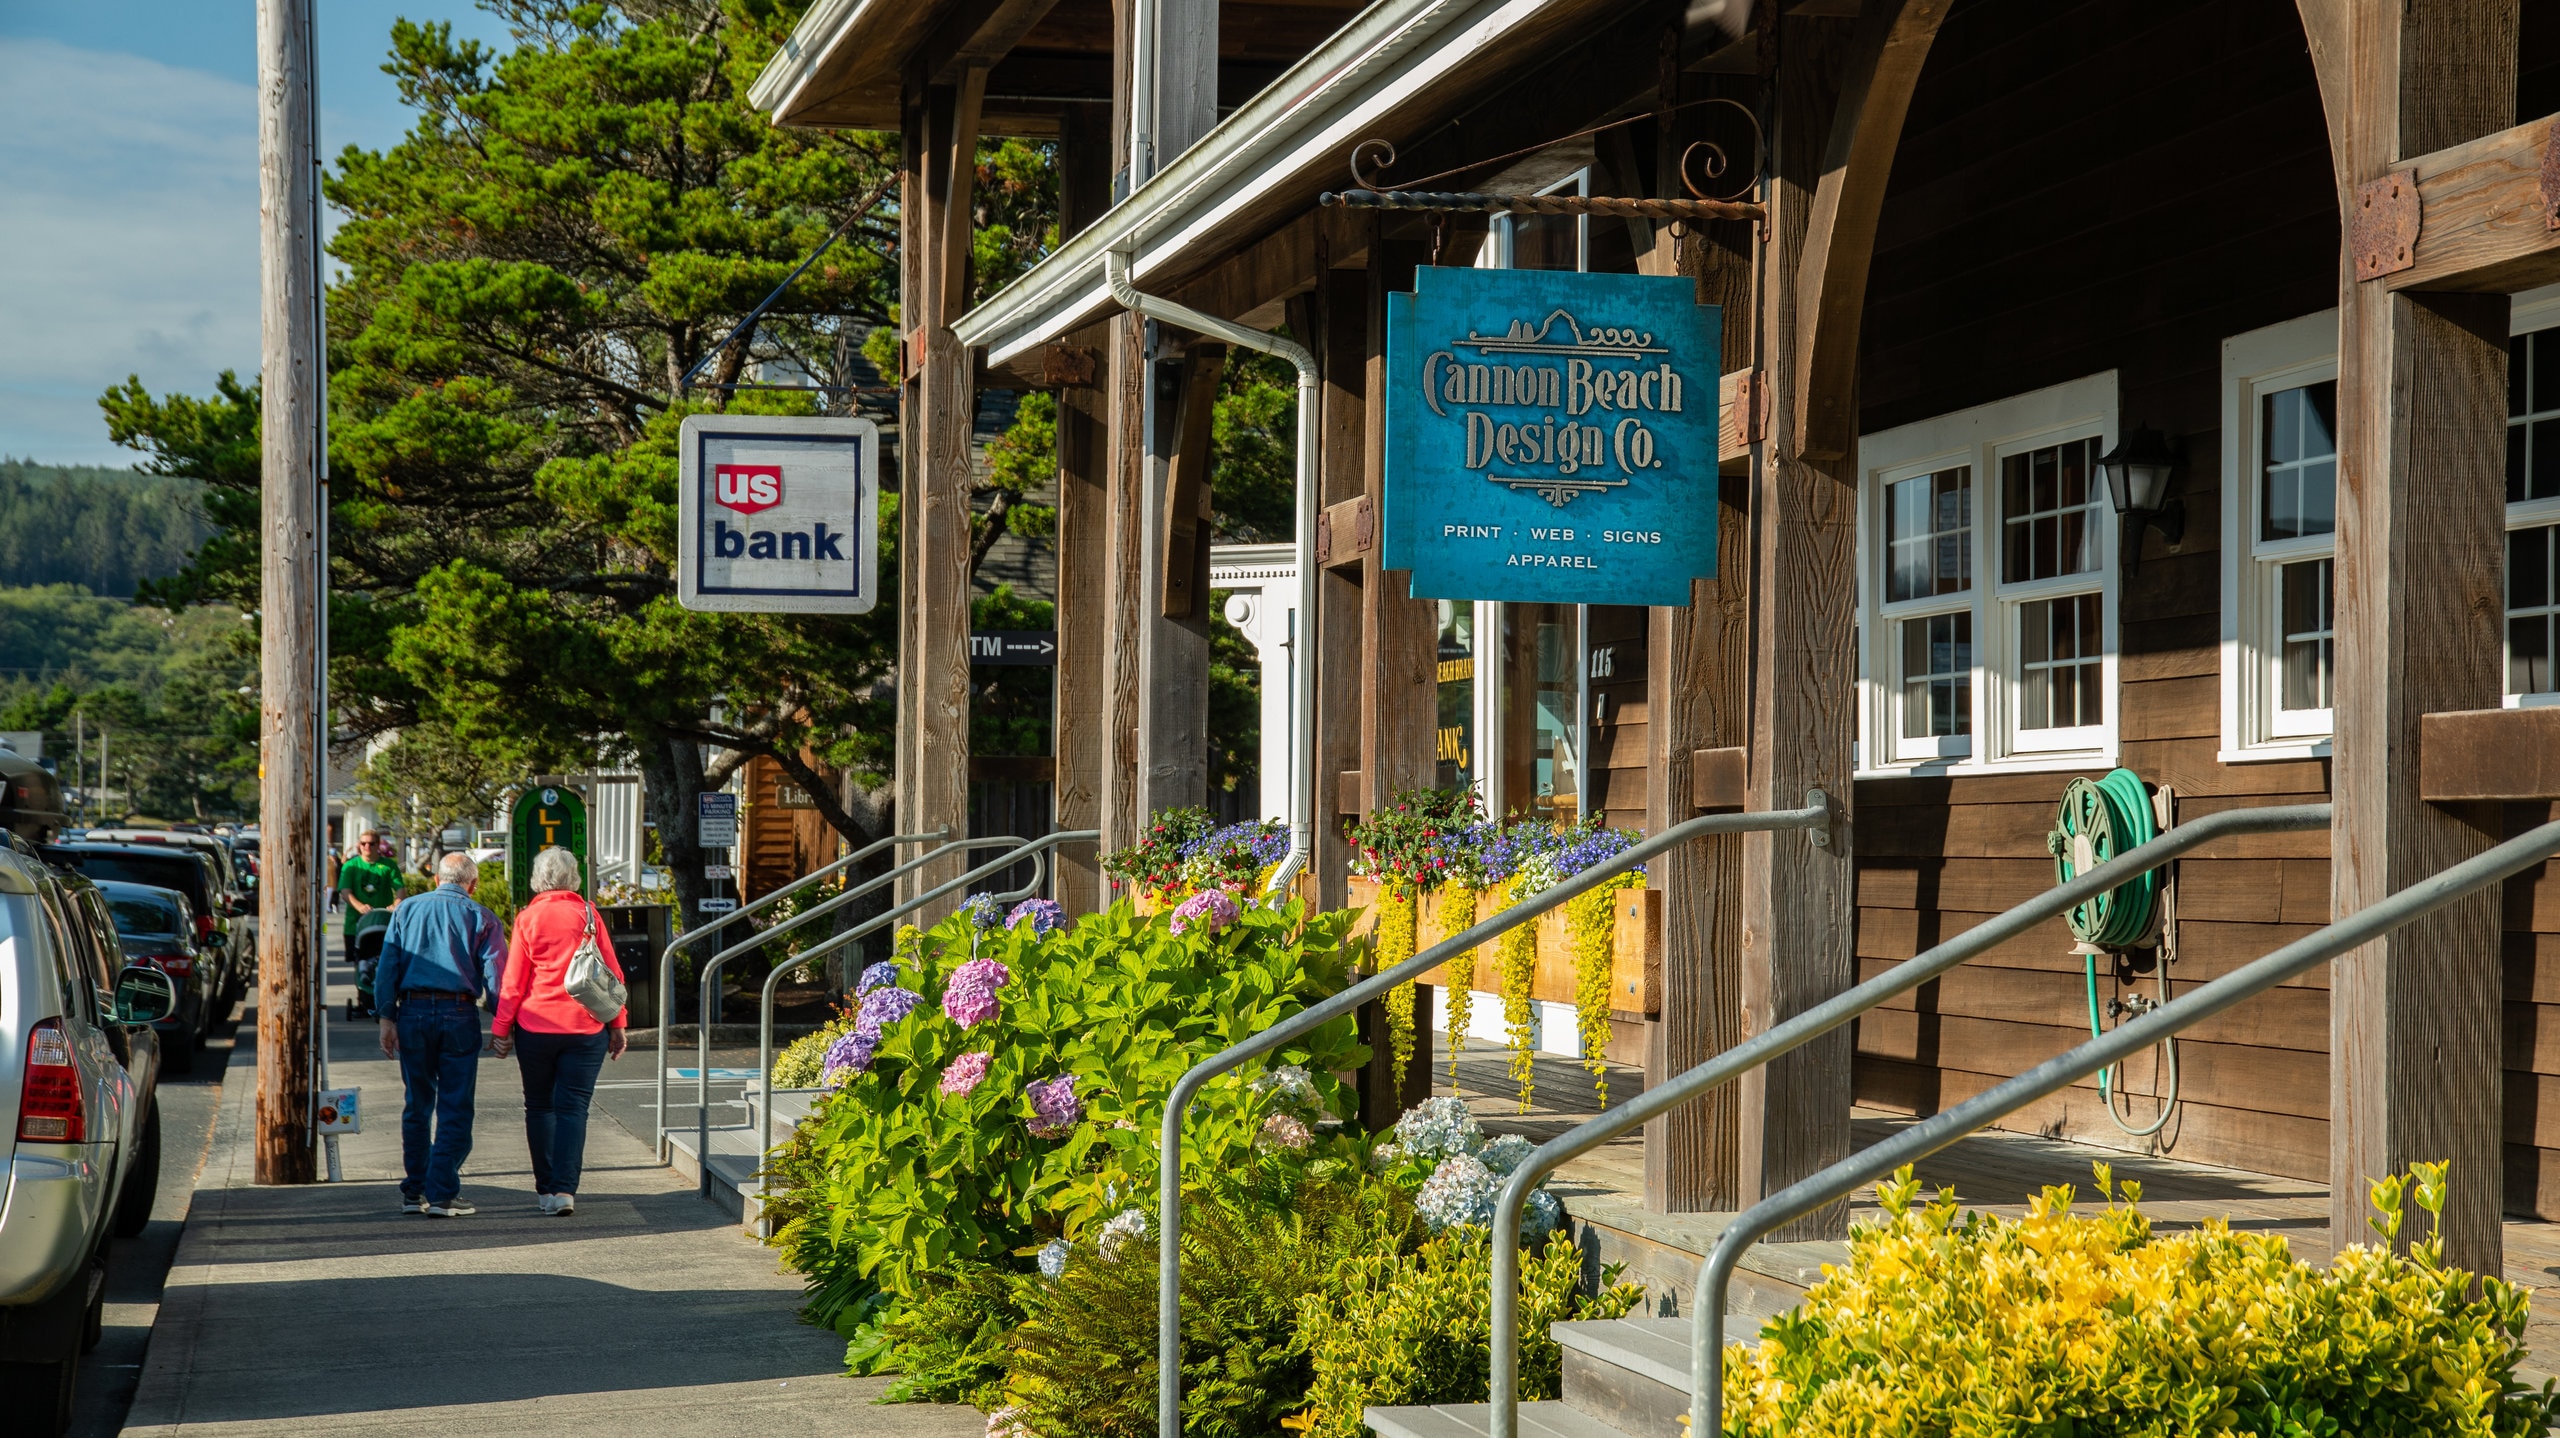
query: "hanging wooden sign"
1551, 436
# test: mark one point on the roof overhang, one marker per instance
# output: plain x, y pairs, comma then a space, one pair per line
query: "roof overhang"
852, 44
1392, 61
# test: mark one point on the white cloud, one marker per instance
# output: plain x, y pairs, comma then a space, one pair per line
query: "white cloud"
128, 238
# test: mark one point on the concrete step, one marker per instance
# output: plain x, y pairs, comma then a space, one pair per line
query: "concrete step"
734, 1163
1475, 1420
1631, 1373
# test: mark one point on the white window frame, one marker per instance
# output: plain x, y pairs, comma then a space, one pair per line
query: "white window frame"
1978, 439
2535, 310
2262, 362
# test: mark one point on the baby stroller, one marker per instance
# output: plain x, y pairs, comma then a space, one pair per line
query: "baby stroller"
364, 949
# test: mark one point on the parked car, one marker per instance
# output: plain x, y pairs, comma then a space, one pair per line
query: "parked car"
158, 927
238, 894
169, 866
79, 1070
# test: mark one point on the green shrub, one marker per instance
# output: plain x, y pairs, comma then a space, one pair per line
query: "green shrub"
1396, 1327
803, 1062
891, 1179
2091, 1327
951, 1341
1085, 1362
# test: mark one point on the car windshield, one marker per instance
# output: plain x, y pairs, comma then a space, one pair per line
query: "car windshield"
174, 871
138, 915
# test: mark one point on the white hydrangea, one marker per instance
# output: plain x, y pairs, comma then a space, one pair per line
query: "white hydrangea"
1385, 1156
1438, 1128
1053, 1259
1115, 1236
1460, 1191
1541, 1214
1505, 1152
1290, 1087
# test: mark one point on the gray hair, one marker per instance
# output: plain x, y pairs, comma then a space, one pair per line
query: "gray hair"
554, 868
457, 868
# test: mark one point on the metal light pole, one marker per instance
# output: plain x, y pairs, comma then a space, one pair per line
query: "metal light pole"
289, 638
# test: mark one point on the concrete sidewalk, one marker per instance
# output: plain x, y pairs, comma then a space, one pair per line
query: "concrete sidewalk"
326, 1310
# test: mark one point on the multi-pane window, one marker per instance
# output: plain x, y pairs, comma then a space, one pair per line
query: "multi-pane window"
2049, 522
2298, 473
1928, 545
2061, 663
1937, 675
2307, 635
1929, 535
2052, 521
2533, 504
2533, 608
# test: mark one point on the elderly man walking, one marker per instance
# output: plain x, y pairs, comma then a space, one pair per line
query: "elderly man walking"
443, 952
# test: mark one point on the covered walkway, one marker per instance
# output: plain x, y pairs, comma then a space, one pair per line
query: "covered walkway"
325, 1310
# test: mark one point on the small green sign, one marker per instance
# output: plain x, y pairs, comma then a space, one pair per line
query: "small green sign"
545, 817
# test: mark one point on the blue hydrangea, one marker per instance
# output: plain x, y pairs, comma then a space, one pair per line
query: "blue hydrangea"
1460, 1191
1541, 1214
1438, 1128
985, 912
879, 976
1290, 1087
1504, 1153
1053, 1259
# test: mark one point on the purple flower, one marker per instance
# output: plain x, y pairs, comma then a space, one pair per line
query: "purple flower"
879, 976
1055, 1109
1047, 916
970, 997
984, 912
965, 1073
850, 1053
1213, 908
883, 1007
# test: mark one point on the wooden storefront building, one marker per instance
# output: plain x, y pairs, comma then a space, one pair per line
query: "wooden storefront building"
2316, 246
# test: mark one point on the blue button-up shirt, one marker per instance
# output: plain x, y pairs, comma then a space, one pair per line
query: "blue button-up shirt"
442, 939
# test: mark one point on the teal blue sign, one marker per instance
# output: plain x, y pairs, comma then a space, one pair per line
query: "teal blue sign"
1551, 436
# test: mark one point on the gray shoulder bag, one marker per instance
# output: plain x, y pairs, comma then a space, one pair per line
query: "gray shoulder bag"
590, 979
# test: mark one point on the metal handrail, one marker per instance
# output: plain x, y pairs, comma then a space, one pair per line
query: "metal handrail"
764, 1021
711, 972
667, 957
1815, 815
1715, 1272
1805, 1027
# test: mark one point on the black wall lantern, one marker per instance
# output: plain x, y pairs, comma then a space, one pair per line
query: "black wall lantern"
2138, 470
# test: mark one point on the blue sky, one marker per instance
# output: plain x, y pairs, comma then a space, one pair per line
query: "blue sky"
129, 158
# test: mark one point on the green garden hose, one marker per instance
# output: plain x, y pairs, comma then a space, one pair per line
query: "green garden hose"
2098, 822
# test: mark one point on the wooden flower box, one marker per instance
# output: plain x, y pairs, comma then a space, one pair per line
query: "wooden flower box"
1635, 981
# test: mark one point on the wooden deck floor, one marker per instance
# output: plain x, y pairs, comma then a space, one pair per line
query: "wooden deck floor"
1994, 1172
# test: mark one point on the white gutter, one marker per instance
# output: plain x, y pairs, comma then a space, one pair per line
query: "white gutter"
1345, 91
1302, 737
802, 51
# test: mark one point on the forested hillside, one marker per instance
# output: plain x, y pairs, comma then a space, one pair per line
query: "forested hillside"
105, 530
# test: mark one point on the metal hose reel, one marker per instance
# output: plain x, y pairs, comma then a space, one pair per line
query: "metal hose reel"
2097, 822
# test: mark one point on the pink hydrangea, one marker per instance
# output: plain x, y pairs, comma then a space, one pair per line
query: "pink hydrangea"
965, 1073
1055, 1109
1213, 909
1286, 1130
970, 997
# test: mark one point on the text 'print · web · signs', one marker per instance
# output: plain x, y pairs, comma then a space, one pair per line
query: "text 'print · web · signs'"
1551, 436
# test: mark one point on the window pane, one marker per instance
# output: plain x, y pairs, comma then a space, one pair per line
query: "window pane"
2533, 608
2061, 673
2546, 371
2298, 476
2050, 521
1929, 535
2543, 481
2529, 655
2308, 642
2529, 568
1937, 676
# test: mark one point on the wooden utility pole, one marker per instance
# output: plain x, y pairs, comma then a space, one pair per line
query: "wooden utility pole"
289, 588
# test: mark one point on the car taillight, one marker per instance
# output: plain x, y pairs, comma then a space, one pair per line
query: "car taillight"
204, 926
50, 1109
176, 966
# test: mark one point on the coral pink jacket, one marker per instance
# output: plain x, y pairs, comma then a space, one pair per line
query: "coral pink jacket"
538, 953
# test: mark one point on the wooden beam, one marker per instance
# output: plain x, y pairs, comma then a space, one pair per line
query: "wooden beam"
1345, 533
1124, 813
1252, 285
2486, 213
1336, 315
1187, 495
1084, 545
2489, 755
1400, 635
2422, 386
977, 34
1890, 45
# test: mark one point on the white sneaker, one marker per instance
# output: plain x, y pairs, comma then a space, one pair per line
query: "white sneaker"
563, 1204
549, 1203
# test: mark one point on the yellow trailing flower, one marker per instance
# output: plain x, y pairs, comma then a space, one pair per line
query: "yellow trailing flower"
1515, 968
1592, 921
1457, 915
1396, 920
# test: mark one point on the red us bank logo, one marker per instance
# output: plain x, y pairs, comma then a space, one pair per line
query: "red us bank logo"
747, 488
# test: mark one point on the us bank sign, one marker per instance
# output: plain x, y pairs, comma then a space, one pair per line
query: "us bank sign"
779, 514
1551, 436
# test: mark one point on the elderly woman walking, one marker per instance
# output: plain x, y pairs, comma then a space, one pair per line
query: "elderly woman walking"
559, 1044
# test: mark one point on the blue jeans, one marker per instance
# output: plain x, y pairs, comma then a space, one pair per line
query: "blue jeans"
439, 1067
559, 1082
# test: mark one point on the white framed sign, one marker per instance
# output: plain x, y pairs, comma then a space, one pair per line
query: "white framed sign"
779, 514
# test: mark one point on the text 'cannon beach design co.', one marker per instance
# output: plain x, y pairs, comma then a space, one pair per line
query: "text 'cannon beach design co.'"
1569, 385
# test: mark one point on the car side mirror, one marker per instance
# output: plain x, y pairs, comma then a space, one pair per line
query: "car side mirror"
144, 995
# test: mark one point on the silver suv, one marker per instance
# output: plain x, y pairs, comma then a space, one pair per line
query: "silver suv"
81, 1124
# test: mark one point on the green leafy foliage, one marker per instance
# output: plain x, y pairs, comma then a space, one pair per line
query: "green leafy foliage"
164, 691
803, 1062
2066, 1323
1397, 1328
891, 1179
1253, 1253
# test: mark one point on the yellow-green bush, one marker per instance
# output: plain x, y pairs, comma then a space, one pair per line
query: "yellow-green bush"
2069, 1325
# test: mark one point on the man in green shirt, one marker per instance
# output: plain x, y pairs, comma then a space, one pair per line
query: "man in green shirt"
369, 880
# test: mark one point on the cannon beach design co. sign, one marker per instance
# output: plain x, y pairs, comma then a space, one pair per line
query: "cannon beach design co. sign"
779, 514
1551, 436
